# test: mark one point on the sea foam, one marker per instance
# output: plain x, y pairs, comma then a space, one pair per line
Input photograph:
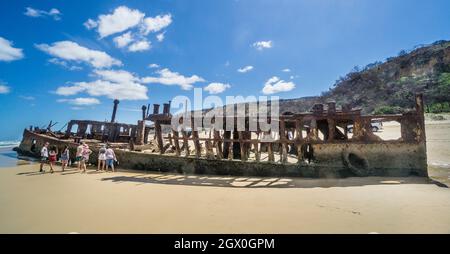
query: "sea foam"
9, 143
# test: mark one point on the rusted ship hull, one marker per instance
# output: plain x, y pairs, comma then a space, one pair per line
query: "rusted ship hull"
331, 160
309, 144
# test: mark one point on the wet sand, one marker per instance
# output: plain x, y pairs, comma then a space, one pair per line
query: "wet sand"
148, 202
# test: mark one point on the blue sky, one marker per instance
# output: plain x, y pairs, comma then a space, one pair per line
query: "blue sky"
54, 65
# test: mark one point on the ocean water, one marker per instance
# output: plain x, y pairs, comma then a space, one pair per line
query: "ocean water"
9, 144
8, 157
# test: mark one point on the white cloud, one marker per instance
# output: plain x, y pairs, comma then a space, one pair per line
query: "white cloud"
216, 88
35, 13
30, 12
130, 109
8, 52
133, 21
160, 37
71, 51
167, 77
114, 84
275, 85
153, 65
4, 89
122, 19
27, 98
54, 11
81, 101
245, 69
112, 90
117, 76
64, 64
260, 45
90, 24
140, 46
127, 39
156, 24
123, 40
286, 70
69, 90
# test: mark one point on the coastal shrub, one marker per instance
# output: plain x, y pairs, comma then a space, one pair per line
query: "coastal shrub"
437, 117
402, 52
444, 79
443, 107
372, 65
387, 110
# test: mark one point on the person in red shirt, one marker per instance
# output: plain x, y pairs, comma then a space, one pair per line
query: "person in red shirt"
52, 158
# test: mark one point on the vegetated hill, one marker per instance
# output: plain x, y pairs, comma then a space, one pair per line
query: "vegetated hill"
390, 86
299, 105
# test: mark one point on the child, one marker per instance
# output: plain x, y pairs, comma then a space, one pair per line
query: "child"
102, 158
65, 155
52, 157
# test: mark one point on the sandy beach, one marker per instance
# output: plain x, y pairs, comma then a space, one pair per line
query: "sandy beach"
149, 202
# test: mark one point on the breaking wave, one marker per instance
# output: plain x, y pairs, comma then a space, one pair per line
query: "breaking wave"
6, 144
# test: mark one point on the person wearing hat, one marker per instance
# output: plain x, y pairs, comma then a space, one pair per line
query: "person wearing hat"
85, 156
102, 158
110, 158
79, 155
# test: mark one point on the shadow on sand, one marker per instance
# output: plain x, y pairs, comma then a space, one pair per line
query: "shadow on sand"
31, 173
266, 182
141, 178
69, 171
47, 171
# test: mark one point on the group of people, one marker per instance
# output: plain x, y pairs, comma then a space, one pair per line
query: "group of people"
49, 155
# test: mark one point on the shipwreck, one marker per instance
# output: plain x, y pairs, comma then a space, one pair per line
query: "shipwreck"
310, 144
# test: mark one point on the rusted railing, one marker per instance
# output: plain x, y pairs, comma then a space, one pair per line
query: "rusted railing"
296, 134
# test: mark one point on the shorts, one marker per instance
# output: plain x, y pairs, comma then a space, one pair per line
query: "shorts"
44, 159
78, 158
110, 162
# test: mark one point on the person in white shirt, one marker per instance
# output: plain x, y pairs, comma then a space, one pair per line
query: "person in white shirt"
44, 156
65, 157
102, 159
79, 155
110, 158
